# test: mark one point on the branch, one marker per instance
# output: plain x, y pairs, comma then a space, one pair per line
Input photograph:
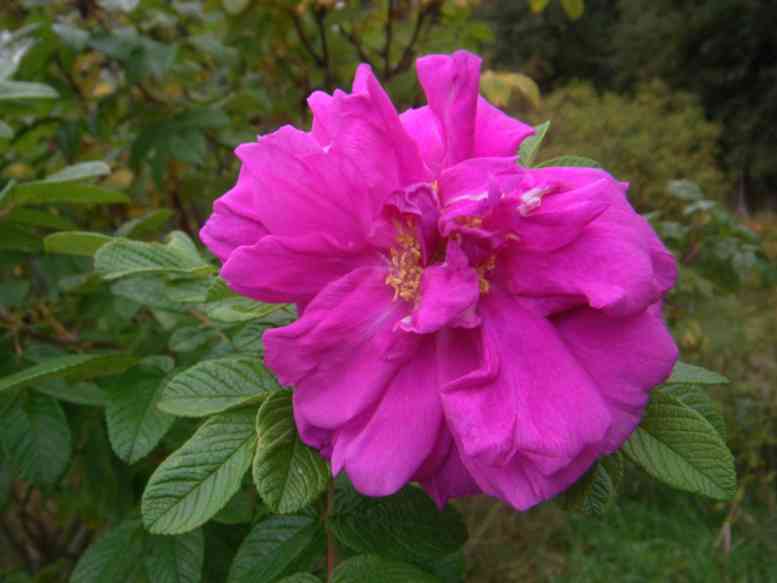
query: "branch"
389, 36
356, 43
407, 55
320, 14
304, 39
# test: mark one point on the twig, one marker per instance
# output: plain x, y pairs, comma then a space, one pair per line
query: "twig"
356, 43
407, 55
389, 36
320, 14
295, 19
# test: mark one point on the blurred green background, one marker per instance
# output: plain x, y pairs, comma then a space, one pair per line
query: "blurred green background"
678, 97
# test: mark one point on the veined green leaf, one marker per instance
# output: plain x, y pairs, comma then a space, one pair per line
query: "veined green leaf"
697, 398
176, 559
238, 309
688, 374
198, 479
75, 242
531, 145
278, 546
36, 218
376, 569
82, 393
73, 366
214, 386
122, 257
45, 192
36, 436
135, 424
594, 492
80, 171
288, 474
151, 222
301, 578
677, 445
570, 162
116, 556
406, 526
19, 90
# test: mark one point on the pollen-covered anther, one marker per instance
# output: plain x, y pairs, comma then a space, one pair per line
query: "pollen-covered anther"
531, 200
483, 270
472, 222
406, 267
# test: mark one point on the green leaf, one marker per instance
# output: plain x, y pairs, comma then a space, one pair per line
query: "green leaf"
191, 338
288, 474
36, 438
688, 374
376, 569
531, 145
135, 425
80, 171
18, 238
677, 445
176, 559
219, 290
278, 546
44, 192
36, 218
187, 291
214, 386
25, 90
75, 242
238, 309
74, 366
301, 578
117, 556
122, 257
406, 526
198, 479
570, 162
573, 8
594, 492
249, 338
239, 510
698, 399
78, 393
149, 223
235, 6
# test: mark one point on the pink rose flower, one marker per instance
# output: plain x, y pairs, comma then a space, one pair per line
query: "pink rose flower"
466, 323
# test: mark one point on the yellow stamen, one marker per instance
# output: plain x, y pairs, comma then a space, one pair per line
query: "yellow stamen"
483, 269
406, 268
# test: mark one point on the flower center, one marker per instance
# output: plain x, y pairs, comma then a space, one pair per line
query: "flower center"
406, 268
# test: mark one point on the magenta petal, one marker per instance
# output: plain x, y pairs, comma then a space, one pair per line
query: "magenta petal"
451, 480
302, 189
626, 357
449, 293
470, 180
530, 397
381, 452
496, 133
234, 221
292, 269
421, 125
616, 263
521, 484
341, 354
452, 85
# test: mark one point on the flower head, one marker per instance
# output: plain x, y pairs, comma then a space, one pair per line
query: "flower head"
466, 323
